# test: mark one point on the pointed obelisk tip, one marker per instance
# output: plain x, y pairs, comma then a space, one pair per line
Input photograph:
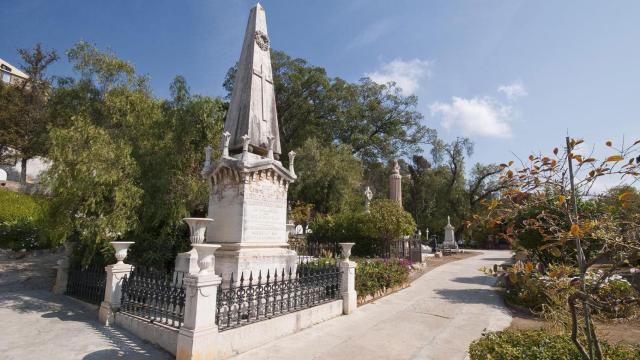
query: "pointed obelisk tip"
258, 6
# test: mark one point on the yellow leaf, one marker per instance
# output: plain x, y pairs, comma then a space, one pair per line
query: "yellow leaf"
625, 196
575, 229
562, 199
615, 158
578, 157
555, 251
531, 157
510, 162
509, 174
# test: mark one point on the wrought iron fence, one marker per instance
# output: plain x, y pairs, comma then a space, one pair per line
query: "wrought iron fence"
87, 284
316, 249
154, 295
265, 296
409, 249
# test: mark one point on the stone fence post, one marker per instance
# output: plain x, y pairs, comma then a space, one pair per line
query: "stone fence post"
62, 274
113, 286
348, 280
196, 337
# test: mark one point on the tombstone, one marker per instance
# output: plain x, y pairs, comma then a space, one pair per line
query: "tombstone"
3, 177
368, 195
450, 236
395, 184
248, 196
299, 230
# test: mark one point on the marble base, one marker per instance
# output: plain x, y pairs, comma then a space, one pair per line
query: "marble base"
238, 259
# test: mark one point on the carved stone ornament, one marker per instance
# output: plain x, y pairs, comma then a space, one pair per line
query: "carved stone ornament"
262, 40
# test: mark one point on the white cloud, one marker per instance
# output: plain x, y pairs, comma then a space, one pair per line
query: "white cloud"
513, 91
406, 74
476, 116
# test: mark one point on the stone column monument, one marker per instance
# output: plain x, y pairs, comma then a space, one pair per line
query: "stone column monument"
395, 184
450, 236
248, 184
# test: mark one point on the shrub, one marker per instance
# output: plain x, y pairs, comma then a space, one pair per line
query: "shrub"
22, 221
539, 345
345, 227
378, 274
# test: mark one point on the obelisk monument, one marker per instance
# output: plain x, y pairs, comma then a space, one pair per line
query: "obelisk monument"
248, 196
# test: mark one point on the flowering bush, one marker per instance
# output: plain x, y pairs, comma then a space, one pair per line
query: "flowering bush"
533, 287
373, 275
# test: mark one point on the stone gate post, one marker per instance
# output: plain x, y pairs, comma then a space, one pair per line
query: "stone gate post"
113, 285
62, 274
196, 338
348, 280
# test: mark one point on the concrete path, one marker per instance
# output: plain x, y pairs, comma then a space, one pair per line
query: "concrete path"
36, 324
436, 318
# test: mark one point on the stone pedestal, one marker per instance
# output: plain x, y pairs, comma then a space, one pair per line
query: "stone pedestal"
113, 291
249, 203
196, 338
395, 184
348, 287
450, 237
62, 274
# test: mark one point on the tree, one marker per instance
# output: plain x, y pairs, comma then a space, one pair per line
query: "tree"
329, 177
389, 221
24, 119
552, 200
165, 140
93, 180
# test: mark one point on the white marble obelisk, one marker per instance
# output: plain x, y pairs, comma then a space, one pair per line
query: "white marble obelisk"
252, 110
248, 197
395, 184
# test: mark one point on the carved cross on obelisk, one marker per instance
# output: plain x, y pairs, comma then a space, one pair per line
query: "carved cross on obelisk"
263, 79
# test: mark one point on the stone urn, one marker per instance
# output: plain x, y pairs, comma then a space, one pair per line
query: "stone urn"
197, 227
346, 250
206, 260
121, 247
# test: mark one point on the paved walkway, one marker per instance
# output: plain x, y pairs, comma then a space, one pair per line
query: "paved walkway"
36, 324
436, 318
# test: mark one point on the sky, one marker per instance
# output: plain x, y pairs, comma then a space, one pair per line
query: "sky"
514, 76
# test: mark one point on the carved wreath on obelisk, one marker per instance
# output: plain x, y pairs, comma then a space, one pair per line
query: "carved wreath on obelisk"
262, 40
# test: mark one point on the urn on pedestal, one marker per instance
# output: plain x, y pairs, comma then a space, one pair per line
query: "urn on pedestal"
121, 247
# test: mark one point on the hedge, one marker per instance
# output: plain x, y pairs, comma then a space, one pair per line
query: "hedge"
22, 221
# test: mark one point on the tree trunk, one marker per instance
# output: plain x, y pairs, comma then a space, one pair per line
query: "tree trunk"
23, 170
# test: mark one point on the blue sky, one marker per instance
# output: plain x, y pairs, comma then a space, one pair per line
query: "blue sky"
514, 76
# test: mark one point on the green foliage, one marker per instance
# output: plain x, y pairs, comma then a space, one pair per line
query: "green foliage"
373, 275
328, 176
23, 221
345, 227
24, 119
539, 345
147, 152
389, 221
93, 179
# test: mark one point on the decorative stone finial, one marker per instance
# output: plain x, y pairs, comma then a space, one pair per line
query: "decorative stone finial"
121, 248
396, 167
245, 146
346, 250
226, 136
292, 156
197, 227
270, 140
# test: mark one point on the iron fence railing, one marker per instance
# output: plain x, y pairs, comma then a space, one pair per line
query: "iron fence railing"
409, 249
316, 249
255, 298
154, 295
87, 284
